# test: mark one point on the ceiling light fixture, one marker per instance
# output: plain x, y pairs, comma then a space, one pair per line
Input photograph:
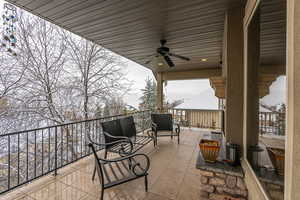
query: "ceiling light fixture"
160, 64
204, 59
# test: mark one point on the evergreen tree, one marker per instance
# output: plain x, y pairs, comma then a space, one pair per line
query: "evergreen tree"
148, 99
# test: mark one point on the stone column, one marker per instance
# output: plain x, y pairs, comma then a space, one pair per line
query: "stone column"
233, 71
292, 161
159, 94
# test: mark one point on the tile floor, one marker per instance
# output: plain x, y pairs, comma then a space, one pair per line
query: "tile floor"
172, 175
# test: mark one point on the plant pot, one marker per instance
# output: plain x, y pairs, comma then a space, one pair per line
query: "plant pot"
277, 158
210, 150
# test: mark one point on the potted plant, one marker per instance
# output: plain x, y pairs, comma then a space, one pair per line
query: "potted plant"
210, 150
277, 158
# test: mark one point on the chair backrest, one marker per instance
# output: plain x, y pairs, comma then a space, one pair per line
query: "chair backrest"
113, 128
128, 126
164, 122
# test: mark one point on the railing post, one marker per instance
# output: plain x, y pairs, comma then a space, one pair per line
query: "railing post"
223, 121
55, 153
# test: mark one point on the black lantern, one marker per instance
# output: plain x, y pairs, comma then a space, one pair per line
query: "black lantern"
233, 154
254, 156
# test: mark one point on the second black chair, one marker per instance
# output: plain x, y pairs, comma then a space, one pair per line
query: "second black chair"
164, 126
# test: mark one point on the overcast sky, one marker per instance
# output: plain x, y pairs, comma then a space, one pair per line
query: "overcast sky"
195, 93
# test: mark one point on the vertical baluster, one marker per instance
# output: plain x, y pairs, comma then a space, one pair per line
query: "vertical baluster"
8, 162
77, 145
81, 139
27, 156
72, 152
67, 132
61, 146
265, 122
35, 146
49, 144
55, 151
42, 151
87, 131
18, 169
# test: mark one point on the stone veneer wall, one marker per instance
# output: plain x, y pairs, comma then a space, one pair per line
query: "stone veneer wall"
221, 186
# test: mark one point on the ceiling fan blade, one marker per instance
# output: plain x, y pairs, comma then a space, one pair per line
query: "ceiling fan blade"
147, 62
179, 56
169, 61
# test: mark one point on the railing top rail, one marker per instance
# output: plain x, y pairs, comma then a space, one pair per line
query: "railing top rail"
70, 123
191, 109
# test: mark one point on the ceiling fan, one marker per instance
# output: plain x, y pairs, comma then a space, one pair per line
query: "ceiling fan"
165, 53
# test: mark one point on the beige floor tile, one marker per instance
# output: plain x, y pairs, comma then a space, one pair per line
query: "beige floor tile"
12, 194
130, 194
152, 196
89, 197
165, 188
48, 191
172, 175
24, 197
69, 193
192, 180
189, 193
178, 164
168, 184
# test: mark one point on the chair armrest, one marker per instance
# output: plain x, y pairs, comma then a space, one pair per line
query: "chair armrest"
151, 133
130, 158
122, 141
154, 126
135, 164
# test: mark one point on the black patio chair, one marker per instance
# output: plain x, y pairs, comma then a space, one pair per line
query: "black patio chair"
124, 129
165, 123
112, 172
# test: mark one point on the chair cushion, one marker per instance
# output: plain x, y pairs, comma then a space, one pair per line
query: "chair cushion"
128, 127
164, 122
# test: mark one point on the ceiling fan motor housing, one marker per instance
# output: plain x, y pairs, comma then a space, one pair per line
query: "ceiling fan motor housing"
163, 50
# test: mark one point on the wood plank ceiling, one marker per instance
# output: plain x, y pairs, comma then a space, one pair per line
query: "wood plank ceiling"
133, 28
273, 32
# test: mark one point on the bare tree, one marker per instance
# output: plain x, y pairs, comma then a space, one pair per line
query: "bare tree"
43, 49
96, 74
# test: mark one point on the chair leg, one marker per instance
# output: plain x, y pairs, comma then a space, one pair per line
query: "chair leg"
94, 173
146, 183
105, 153
129, 163
178, 139
102, 194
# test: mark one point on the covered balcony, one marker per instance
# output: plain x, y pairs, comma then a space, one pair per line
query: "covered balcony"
241, 46
172, 176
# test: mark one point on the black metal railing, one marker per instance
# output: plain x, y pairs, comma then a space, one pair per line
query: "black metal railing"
30, 154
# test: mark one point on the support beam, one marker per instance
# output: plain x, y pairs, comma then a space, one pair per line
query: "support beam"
233, 71
216, 72
159, 94
292, 161
192, 74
